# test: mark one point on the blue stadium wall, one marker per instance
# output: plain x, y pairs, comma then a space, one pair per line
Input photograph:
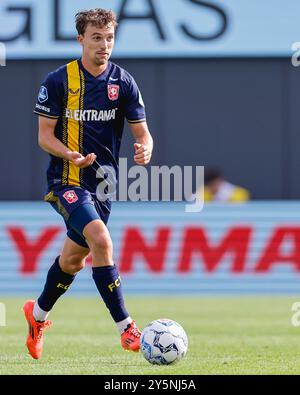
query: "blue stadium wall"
239, 114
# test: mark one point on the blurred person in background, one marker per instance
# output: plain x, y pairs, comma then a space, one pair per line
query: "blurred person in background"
218, 189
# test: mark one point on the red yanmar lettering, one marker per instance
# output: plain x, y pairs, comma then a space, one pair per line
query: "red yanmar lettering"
235, 242
134, 245
273, 253
31, 250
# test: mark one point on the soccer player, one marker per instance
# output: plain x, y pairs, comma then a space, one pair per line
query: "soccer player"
82, 107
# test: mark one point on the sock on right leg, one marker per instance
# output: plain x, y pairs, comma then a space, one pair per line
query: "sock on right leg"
124, 324
108, 283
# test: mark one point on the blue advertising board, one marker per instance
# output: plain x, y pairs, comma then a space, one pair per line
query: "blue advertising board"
251, 248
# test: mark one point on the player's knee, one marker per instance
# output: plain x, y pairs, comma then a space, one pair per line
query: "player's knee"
72, 264
100, 242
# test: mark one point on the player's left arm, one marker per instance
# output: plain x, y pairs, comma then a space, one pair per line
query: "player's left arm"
144, 143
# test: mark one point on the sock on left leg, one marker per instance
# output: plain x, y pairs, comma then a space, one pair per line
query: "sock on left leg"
57, 283
124, 324
108, 283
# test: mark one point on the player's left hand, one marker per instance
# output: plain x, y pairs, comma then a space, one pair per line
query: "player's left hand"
142, 154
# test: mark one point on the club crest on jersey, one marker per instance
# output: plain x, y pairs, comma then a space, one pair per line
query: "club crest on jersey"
70, 196
113, 92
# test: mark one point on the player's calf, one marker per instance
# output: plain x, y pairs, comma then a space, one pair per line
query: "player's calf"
99, 242
72, 264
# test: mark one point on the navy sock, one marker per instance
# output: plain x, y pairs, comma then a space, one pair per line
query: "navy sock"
108, 282
56, 285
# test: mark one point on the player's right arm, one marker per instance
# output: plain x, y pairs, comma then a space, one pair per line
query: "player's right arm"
49, 108
49, 143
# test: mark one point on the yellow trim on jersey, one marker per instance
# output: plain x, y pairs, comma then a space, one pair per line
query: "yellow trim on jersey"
44, 115
74, 85
81, 122
65, 142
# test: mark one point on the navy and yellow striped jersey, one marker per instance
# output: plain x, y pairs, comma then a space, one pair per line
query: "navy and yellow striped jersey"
91, 112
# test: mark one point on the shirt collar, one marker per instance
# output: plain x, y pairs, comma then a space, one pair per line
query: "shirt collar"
100, 77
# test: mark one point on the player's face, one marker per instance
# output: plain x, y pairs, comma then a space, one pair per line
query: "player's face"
97, 43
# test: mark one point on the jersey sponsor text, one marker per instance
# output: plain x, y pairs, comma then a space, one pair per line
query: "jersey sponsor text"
91, 115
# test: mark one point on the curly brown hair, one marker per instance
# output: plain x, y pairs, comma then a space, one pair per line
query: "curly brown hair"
98, 17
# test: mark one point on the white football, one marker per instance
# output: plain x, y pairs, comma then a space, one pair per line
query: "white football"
163, 342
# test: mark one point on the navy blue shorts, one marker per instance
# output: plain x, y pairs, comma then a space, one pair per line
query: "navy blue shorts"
78, 207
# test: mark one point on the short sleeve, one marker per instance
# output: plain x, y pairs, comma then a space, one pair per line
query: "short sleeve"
134, 106
50, 98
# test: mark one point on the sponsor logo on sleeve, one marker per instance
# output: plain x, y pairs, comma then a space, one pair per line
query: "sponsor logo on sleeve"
43, 94
39, 107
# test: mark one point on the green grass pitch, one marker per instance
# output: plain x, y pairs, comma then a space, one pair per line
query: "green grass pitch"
230, 335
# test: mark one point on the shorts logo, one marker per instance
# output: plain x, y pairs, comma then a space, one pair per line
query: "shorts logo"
43, 94
70, 196
113, 92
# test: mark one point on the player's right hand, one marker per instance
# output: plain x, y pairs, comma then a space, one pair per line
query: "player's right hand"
81, 161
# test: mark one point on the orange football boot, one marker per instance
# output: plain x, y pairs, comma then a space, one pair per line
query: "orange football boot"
34, 341
130, 339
